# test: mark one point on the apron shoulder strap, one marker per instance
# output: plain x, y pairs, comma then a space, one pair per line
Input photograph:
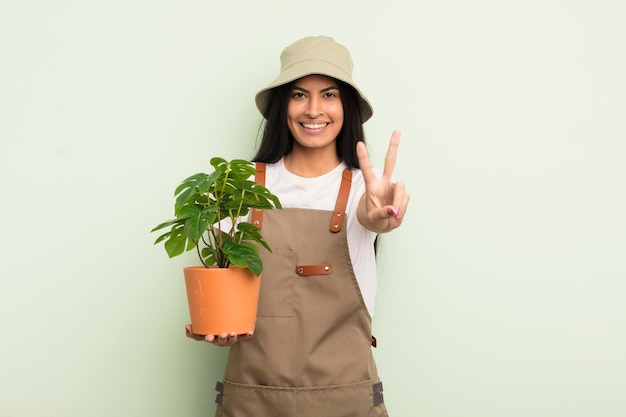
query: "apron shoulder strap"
339, 214
257, 214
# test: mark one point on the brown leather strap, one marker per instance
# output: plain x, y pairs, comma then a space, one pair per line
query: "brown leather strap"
339, 214
257, 214
308, 270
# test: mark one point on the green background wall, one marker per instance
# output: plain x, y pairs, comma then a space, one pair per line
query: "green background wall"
503, 295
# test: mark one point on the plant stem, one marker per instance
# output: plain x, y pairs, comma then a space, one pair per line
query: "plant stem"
199, 254
243, 194
212, 245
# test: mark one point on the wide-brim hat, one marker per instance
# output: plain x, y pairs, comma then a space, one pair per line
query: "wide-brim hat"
314, 55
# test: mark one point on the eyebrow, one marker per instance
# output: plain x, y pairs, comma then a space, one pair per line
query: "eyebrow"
323, 90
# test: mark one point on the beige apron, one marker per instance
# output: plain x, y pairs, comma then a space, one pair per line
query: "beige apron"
310, 355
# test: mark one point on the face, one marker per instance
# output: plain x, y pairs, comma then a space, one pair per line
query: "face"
315, 113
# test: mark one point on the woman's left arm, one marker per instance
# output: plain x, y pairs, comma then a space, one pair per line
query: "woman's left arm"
384, 202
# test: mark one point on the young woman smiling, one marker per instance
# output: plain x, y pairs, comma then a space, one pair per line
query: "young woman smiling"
311, 355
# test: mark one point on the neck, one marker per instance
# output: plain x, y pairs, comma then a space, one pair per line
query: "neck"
312, 163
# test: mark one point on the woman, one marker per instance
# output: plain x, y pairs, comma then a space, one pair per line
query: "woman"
311, 352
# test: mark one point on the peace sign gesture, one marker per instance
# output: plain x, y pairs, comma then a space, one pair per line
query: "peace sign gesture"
384, 202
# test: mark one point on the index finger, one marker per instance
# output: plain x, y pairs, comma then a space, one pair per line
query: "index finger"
392, 154
364, 163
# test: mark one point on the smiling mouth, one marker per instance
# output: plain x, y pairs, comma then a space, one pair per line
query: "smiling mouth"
314, 125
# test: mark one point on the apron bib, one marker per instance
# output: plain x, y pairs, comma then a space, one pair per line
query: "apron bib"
310, 355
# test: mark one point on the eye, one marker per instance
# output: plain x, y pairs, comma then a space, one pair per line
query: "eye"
297, 95
331, 94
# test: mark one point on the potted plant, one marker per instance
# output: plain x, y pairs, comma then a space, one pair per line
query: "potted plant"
222, 293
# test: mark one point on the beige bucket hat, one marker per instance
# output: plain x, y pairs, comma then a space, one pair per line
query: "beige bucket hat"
314, 55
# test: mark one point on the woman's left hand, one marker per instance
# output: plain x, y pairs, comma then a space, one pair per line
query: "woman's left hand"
224, 339
384, 202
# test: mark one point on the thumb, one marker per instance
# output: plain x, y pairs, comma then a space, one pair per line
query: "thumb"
391, 211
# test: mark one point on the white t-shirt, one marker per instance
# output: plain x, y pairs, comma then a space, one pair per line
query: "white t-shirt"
320, 193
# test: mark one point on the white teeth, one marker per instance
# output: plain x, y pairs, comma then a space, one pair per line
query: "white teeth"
314, 125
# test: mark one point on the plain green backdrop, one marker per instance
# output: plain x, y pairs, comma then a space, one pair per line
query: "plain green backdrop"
503, 294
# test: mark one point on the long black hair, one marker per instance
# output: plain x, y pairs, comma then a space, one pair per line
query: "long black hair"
277, 140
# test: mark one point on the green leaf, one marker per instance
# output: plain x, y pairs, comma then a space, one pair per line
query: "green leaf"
167, 223
249, 232
241, 169
244, 255
219, 164
188, 188
265, 197
198, 221
208, 257
177, 242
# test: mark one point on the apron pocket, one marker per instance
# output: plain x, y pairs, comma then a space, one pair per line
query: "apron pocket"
353, 400
241, 400
277, 282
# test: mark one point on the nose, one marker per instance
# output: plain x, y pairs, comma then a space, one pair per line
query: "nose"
314, 108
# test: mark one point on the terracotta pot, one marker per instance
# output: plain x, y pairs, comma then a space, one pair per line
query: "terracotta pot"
222, 300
